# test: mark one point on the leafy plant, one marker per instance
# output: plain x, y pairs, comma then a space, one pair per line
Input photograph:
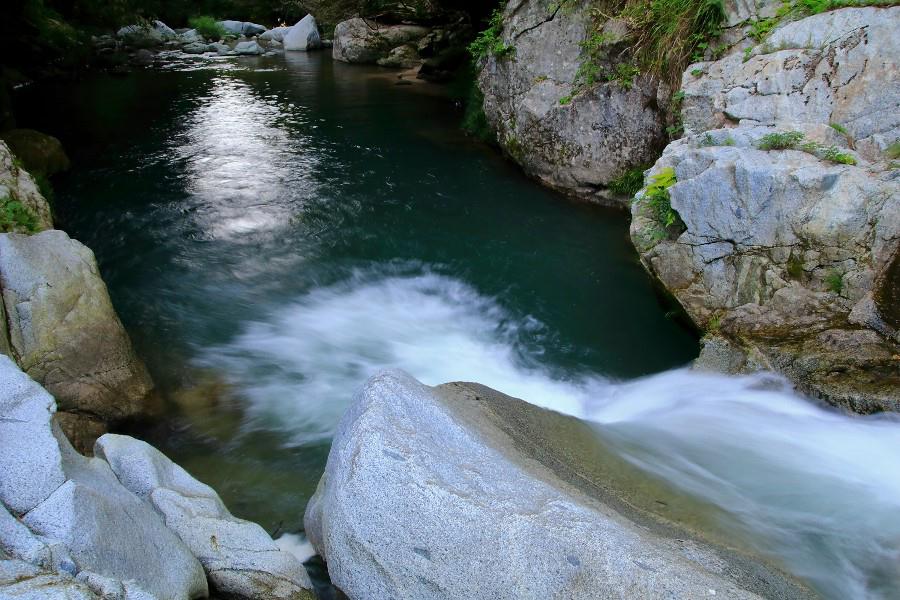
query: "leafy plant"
14, 217
656, 196
839, 128
834, 281
208, 27
566, 100
490, 41
893, 151
628, 183
780, 141
834, 154
696, 72
624, 75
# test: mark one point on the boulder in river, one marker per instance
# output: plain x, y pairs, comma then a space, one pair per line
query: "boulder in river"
40, 153
776, 223
572, 135
303, 36
63, 330
275, 34
240, 558
196, 48
459, 491
250, 48
358, 40
141, 36
242, 28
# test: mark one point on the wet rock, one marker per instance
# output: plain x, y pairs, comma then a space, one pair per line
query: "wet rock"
195, 48
63, 330
455, 492
402, 57
304, 35
240, 558
39, 152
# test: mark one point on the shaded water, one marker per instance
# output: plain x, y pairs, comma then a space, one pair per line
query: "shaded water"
274, 231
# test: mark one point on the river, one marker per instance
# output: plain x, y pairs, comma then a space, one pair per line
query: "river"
273, 231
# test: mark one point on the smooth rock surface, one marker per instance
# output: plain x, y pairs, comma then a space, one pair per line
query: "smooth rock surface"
240, 558
304, 35
570, 138
454, 492
16, 184
22, 581
275, 34
63, 330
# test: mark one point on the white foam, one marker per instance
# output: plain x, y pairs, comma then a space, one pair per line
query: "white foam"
816, 489
296, 544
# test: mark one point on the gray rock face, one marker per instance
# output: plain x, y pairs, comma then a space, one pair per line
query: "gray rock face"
141, 36
787, 257
360, 41
63, 329
22, 581
240, 558
304, 35
834, 67
402, 57
572, 139
242, 28
16, 184
447, 492
164, 30
196, 48
74, 515
248, 49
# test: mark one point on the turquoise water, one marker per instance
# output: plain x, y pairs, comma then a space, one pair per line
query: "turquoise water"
273, 231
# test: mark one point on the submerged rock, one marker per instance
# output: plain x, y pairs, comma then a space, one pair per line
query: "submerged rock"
302, 36
461, 492
240, 558
358, 40
63, 330
783, 243
574, 136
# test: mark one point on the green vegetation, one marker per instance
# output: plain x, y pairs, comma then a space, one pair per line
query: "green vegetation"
795, 267
834, 282
709, 140
780, 141
14, 217
490, 41
566, 99
630, 182
696, 72
794, 140
893, 151
474, 121
656, 196
208, 27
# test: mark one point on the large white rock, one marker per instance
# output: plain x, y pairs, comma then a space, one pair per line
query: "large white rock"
23, 581
425, 495
164, 30
29, 472
304, 35
242, 28
240, 558
73, 514
63, 329
250, 48
275, 34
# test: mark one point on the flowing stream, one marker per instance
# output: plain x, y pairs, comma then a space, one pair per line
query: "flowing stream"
273, 231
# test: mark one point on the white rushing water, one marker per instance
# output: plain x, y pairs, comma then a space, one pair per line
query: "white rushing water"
815, 489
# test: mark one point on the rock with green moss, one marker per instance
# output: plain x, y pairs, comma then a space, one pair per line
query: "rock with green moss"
40, 153
790, 208
22, 207
64, 332
559, 93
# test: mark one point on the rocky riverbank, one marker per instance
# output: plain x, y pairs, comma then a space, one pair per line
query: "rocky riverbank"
773, 219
